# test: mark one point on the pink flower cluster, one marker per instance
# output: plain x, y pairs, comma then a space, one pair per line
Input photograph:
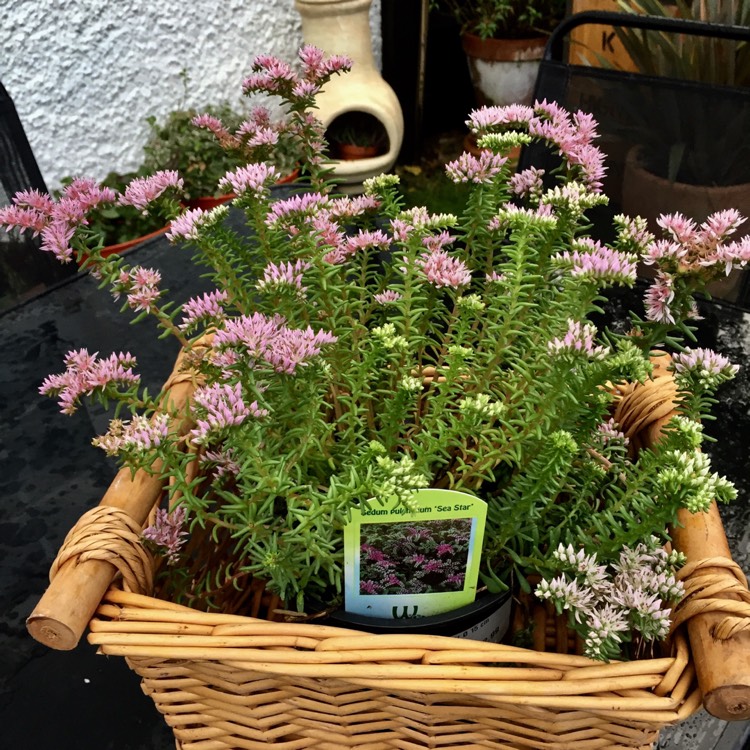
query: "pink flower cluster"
142, 191
258, 130
269, 340
527, 182
433, 242
479, 170
610, 430
323, 215
284, 274
252, 178
168, 531
273, 76
690, 248
56, 221
220, 405
286, 212
592, 260
139, 434
709, 365
223, 462
578, 339
187, 225
85, 374
388, 297
572, 135
443, 270
141, 287
348, 246
207, 307
487, 118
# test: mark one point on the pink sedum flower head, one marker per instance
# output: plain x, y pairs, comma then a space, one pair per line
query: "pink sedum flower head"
707, 365
168, 532
253, 178
610, 430
208, 308
528, 182
479, 170
442, 270
433, 242
491, 117
85, 373
268, 340
139, 435
658, 300
579, 339
277, 275
388, 297
24, 218
287, 211
188, 225
592, 260
142, 191
219, 406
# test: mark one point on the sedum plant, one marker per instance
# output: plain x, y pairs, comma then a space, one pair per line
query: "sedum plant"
353, 352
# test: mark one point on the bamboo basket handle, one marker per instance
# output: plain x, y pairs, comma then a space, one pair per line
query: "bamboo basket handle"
716, 608
102, 544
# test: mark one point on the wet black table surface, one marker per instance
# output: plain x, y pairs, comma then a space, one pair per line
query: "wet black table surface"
50, 474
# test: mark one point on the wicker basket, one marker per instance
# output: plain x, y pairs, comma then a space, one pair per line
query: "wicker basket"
228, 681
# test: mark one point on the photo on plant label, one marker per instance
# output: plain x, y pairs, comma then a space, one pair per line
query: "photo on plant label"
427, 557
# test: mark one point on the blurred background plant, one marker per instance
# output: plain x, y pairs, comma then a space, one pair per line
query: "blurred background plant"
176, 143
694, 58
504, 18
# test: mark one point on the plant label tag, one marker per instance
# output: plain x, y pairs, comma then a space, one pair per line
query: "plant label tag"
406, 564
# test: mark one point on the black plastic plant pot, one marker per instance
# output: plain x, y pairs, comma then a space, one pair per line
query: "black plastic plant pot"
486, 619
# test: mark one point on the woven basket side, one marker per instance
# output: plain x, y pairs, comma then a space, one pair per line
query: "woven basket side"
244, 682
227, 707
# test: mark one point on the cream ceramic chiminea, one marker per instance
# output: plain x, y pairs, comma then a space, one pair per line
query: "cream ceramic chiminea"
342, 27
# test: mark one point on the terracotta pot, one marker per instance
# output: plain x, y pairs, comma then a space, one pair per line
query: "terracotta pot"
503, 71
648, 195
207, 202
352, 151
122, 246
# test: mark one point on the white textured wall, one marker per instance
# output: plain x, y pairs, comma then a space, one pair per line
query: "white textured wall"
84, 74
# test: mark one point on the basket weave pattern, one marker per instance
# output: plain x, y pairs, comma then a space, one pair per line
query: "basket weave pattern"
225, 681
232, 681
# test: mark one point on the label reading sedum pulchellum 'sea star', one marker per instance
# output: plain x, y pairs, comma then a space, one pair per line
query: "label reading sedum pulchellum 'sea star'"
414, 562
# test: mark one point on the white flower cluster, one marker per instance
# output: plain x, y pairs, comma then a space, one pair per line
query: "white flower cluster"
471, 302
605, 605
575, 196
411, 384
502, 142
399, 479
481, 405
387, 336
379, 183
689, 472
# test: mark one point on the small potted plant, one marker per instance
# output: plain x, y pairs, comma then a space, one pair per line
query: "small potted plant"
359, 361
356, 135
177, 144
504, 41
